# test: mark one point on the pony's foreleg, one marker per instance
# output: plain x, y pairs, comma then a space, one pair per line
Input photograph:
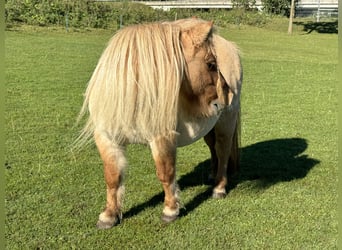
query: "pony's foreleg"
114, 163
225, 132
210, 141
164, 155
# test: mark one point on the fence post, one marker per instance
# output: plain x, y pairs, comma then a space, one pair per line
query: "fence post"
318, 11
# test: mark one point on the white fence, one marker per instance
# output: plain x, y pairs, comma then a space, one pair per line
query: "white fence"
303, 7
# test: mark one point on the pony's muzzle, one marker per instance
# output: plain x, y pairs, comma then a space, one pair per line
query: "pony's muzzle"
216, 107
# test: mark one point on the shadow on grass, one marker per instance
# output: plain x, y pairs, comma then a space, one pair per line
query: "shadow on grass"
320, 27
275, 161
265, 163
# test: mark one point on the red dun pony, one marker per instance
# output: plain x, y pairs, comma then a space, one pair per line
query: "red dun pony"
165, 85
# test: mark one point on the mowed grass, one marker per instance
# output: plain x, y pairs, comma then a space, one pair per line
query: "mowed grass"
283, 198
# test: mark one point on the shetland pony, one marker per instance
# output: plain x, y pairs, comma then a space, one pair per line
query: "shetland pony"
166, 85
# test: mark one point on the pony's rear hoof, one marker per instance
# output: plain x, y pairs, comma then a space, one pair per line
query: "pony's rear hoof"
169, 218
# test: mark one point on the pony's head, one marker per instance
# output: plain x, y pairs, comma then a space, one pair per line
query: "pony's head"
213, 71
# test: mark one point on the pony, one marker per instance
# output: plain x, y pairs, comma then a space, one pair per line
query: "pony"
166, 85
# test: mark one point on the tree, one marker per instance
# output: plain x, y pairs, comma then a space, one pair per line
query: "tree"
292, 10
278, 7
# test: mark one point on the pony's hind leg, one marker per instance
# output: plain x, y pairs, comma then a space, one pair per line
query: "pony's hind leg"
114, 163
164, 155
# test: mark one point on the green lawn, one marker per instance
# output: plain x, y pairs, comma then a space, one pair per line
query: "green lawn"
285, 196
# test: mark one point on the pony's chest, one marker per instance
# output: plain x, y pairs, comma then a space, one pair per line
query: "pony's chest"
192, 130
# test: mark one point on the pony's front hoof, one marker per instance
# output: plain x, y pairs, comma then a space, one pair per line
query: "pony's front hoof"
169, 218
106, 222
219, 193
170, 215
104, 225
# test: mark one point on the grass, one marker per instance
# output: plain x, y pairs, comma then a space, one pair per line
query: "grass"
284, 197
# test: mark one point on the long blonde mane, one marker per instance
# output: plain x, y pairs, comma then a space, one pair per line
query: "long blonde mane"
134, 90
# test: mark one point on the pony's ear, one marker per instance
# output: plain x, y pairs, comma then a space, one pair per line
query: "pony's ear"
199, 32
228, 64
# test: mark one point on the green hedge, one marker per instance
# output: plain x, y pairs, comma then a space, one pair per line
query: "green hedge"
79, 14
92, 14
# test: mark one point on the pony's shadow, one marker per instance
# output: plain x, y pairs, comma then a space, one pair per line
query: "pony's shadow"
264, 164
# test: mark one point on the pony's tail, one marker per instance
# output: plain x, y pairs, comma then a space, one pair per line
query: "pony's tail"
84, 137
234, 157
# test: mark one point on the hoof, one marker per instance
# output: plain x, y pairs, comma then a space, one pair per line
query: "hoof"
219, 195
169, 218
107, 222
104, 225
169, 214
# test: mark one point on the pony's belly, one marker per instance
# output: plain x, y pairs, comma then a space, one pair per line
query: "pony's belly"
192, 130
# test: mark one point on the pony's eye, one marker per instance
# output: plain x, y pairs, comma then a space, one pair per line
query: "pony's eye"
212, 66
